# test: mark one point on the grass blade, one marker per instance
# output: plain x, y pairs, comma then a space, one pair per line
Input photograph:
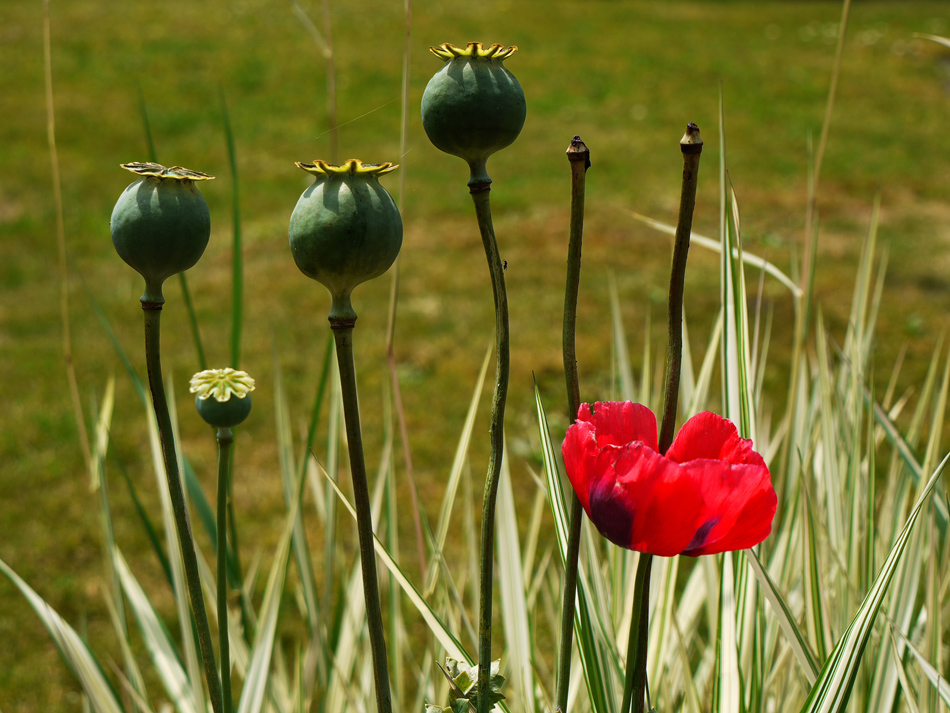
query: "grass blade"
349, 655
594, 664
514, 610
120, 352
455, 475
286, 461
939, 683
796, 639
193, 321
833, 688
257, 680
100, 484
172, 546
628, 389
68, 360
159, 644
441, 632
73, 649
904, 681
715, 246
153, 536
344, 654
727, 696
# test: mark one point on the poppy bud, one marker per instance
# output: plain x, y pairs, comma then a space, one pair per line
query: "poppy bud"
160, 224
345, 229
223, 396
473, 106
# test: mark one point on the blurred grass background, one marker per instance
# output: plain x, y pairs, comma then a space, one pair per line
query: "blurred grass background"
626, 76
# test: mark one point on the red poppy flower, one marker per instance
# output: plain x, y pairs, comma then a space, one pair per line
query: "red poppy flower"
710, 493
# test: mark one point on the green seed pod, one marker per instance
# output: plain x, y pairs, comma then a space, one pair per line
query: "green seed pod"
345, 229
160, 224
473, 106
230, 389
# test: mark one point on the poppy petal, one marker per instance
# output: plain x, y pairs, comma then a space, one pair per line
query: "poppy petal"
709, 435
580, 453
710, 493
619, 423
738, 504
589, 445
646, 502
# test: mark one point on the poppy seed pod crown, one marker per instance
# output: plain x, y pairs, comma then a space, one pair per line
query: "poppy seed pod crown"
473, 106
223, 396
345, 229
160, 225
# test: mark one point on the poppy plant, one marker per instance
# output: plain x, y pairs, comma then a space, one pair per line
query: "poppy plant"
709, 493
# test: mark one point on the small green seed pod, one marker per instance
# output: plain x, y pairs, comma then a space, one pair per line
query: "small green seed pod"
345, 229
473, 106
160, 224
223, 396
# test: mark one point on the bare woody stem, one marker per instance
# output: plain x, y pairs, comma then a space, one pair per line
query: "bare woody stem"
579, 156
225, 441
153, 361
343, 336
692, 146
480, 191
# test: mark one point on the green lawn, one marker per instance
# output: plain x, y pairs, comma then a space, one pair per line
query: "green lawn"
626, 76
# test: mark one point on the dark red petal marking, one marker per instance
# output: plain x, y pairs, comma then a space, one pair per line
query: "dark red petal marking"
699, 539
610, 516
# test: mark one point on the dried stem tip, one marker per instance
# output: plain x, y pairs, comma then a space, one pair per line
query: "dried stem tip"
578, 151
691, 141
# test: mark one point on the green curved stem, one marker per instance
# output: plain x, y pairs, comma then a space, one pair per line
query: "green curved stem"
579, 156
225, 440
153, 361
480, 194
236, 554
343, 335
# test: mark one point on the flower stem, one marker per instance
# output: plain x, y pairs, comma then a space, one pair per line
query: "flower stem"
635, 675
579, 156
236, 554
153, 361
480, 191
225, 441
343, 336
